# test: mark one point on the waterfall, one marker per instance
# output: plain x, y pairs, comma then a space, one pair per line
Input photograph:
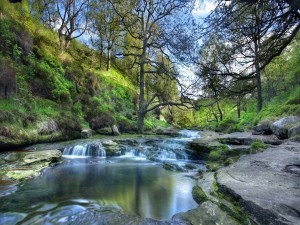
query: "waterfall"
190, 133
94, 150
131, 152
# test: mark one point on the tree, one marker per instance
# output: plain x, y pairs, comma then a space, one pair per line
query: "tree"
68, 17
106, 26
146, 22
256, 32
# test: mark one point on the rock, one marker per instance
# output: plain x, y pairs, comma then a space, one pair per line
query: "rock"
264, 128
199, 195
42, 156
21, 174
281, 127
107, 217
24, 165
109, 143
86, 133
168, 131
173, 167
245, 138
203, 147
115, 130
207, 185
266, 184
207, 213
47, 127
294, 131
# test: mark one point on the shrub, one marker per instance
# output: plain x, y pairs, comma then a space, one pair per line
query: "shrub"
219, 154
215, 155
257, 146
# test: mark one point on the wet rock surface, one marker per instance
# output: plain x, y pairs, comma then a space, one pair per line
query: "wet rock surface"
18, 166
266, 184
207, 213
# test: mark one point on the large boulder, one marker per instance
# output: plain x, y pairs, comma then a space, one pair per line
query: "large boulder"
86, 133
294, 132
264, 128
115, 130
281, 127
266, 184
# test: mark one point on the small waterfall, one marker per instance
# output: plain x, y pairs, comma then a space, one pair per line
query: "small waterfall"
165, 154
133, 153
94, 150
190, 133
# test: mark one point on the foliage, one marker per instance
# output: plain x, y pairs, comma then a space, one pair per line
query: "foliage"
219, 154
257, 146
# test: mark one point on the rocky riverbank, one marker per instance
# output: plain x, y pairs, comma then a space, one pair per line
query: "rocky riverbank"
261, 188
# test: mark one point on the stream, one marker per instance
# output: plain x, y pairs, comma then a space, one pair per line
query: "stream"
113, 176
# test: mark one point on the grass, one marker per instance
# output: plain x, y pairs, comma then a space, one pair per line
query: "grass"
257, 146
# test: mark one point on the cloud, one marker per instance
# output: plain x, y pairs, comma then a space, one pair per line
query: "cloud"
202, 8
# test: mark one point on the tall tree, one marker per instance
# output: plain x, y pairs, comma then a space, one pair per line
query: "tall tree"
147, 22
256, 32
68, 17
106, 26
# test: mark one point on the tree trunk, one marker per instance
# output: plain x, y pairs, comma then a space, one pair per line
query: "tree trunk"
108, 58
238, 107
220, 111
258, 78
101, 56
64, 42
141, 112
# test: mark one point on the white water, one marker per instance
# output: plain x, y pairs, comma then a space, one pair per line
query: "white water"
190, 134
85, 150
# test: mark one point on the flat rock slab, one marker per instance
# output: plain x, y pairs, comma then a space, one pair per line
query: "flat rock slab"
47, 156
267, 184
246, 138
208, 213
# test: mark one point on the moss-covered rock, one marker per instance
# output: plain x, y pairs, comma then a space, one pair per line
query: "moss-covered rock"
173, 167
24, 165
199, 195
257, 146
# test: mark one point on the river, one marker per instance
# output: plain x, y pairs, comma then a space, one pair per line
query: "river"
132, 182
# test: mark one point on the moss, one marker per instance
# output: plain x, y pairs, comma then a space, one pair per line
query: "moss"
219, 154
190, 166
257, 146
199, 195
213, 166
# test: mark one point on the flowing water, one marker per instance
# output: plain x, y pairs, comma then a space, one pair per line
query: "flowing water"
87, 179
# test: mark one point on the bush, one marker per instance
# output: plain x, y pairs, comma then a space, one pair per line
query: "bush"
257, 146
219, 154
215, 155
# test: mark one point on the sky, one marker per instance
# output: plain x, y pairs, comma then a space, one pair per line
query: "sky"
187, 73
203, 8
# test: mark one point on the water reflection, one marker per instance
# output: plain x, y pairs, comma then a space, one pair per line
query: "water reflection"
138, 187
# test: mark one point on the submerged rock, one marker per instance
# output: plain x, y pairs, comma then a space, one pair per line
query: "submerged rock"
266, 184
